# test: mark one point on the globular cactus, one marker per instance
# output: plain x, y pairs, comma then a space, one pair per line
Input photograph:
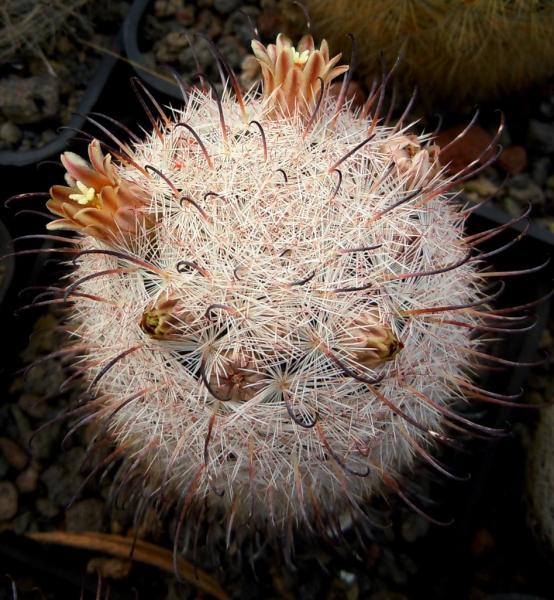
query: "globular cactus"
454, 51
272, 302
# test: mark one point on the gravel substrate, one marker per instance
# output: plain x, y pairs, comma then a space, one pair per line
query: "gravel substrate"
41, 87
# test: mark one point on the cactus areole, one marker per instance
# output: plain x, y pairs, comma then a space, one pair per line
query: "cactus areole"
272, 300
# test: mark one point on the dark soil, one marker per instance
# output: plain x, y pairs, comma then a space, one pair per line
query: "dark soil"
170, 26
41, 87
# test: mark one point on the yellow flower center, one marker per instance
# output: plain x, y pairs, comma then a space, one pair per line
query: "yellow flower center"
86, 195
299, 58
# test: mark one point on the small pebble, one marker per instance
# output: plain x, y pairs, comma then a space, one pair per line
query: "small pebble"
8, 500
347, 578
63, 478
47, 136
185, 16
541, 169
482, 186
414, 527
511, 205
27, 481
167, 8
23, 523
460, 152
226, 6
524, 189
46, 508
546, 108
29, 100
13, 453
167, 50
35, 406
209, 24
541, 136
233, 51
86, 515
200, 53
238, 25
45, 440
10, 132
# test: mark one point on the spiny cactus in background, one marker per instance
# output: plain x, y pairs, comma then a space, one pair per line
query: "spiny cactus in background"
272, 301
453, 51
26, 25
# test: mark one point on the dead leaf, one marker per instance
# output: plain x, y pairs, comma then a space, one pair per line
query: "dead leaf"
144, 552
465, 150
472, 146
513, 160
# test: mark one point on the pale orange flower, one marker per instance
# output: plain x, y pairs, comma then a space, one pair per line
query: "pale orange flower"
96, 201
291, 75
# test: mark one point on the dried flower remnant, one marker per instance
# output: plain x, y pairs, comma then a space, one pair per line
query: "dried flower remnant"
418, 162
166, 318
373, 343
238, 379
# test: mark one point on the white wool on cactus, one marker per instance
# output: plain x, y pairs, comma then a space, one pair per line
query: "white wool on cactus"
273, 302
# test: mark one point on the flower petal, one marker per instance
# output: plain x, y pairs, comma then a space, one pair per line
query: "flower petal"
306, 43
283, 43
312, 70
283, 66
292, 90
62, 224
80, 170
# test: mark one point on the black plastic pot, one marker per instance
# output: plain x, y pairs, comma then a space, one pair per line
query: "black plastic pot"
58, 144
6, 264
497, 215
130, 41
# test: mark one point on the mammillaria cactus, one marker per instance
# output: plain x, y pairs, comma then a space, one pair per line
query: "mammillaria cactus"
453, 51
273, 303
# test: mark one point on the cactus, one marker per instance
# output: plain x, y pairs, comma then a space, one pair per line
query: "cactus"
273, 302
453, 51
